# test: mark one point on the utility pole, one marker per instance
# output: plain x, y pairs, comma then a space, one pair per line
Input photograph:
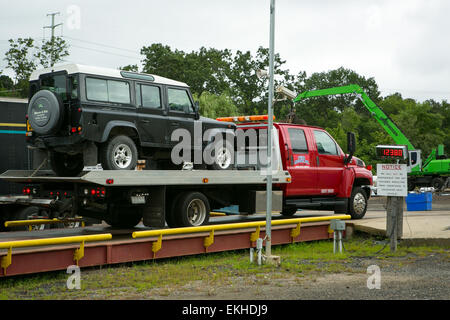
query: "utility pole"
52, 27
269, 136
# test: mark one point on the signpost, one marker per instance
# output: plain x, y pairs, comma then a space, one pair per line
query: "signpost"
392, 180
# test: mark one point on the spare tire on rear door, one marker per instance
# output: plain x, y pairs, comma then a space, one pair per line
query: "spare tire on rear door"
45, 112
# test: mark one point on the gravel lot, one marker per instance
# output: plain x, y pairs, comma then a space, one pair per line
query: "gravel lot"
402, 278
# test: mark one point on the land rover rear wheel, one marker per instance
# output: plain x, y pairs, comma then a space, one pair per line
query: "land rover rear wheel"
119, 153
66, 165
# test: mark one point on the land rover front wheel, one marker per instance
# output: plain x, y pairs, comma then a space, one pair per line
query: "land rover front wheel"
119, 153
358, 203
223, 157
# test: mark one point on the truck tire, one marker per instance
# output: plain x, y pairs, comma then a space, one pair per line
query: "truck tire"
66, 165
45, 112
289, 212
411, 184
192, 209
171, 213
23, 214
358, 203
124, 217
119, 153
437, 183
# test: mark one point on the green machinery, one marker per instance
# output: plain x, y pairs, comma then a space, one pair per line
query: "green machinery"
433, 172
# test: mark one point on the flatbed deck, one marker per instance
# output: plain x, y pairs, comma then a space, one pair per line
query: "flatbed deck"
149, 177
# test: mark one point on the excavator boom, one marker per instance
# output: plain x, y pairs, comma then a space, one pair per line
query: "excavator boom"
374, 110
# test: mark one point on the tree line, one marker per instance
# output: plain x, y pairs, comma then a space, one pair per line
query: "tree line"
225, 83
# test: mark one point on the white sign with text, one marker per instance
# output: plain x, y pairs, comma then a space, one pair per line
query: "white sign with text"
392, 180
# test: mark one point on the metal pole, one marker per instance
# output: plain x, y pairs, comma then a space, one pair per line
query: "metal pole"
52, 27
269, 134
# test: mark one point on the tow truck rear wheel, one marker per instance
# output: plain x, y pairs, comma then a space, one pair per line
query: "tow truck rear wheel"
27, 213
289, 212
358, 203
192, 209
124, 217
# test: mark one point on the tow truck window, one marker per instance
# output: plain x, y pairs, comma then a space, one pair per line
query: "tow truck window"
298, 140
325, 145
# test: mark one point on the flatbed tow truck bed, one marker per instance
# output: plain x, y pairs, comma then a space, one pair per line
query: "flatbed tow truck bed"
182, 198
148, 177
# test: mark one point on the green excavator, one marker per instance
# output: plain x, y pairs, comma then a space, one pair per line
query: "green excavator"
433, 172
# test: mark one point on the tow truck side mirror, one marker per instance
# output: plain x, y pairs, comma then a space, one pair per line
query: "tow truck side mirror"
351, 147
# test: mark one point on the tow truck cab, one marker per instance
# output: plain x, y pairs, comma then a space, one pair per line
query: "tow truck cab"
322, 179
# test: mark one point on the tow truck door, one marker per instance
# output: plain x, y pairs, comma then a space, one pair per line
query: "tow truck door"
330, 163
299, 162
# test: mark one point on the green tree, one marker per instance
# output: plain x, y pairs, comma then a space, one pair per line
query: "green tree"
52, 51
214, 106
20, 59
130, 67
23, 57
203, 70
6, 82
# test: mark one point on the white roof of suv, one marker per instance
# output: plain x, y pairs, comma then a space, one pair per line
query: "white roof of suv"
107, 72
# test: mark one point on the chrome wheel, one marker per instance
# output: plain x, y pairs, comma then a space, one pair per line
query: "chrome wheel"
223, 158
359, 203
122, 156
196, 212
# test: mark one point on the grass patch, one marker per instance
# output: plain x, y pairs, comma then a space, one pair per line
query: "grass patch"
206, 272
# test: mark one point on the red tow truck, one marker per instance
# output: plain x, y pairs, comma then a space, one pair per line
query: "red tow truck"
323, 176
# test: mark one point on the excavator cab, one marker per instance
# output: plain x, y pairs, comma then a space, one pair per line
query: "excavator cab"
414, 160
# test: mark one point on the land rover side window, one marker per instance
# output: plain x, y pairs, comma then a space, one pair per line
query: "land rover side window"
298, 140
107, 90
118, 91
55, 83
179, 100
148, 96
325, 145
73, 85
96, 89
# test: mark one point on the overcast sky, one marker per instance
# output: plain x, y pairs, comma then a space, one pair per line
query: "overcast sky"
404, 45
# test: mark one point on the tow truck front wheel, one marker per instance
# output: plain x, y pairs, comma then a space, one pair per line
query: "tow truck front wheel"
358, 203
192, 209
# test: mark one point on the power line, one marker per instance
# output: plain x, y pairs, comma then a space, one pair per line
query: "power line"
100, 44
106, 52
414, 90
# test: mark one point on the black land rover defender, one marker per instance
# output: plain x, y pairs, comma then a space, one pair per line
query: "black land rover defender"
80, 116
